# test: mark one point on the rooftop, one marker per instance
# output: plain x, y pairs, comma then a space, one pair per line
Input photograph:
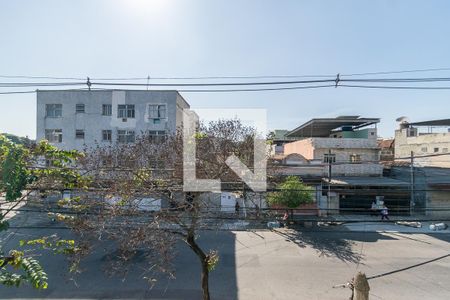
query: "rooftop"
389, 143
442, 122
321, 127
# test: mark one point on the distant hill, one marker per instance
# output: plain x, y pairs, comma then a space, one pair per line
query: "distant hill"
18, 139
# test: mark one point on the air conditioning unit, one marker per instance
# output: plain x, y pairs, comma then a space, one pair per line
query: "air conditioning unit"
124, 119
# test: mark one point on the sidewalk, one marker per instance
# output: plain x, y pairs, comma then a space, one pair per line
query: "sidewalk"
393, 227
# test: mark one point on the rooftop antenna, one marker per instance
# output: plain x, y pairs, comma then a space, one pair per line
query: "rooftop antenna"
402, 120
148, 79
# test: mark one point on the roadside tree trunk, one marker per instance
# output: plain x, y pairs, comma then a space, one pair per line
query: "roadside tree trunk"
190, 240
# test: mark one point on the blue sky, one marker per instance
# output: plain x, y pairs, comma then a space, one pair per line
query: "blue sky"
227, 38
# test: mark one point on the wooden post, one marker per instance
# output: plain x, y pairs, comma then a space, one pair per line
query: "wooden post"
361, 287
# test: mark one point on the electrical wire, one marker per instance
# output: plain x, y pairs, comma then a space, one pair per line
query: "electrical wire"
256, 89
398, 72
286, 84
40, 77
396, 87
229, 77
17, 92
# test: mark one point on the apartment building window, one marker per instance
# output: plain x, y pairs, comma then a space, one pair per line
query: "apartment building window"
53, 110
444, 150
79, 134
424, 149
107, 135
125, 111
125, 136
355, 158
436, 150
157, 136
106, 110
329, 158
53, 135
79, 108
156, 112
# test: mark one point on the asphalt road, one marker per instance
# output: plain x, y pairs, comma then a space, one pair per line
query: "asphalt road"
285, 264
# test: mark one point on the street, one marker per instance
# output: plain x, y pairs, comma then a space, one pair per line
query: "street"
262, 264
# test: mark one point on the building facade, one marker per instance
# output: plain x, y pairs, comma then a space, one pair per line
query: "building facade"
79, 119
422, 139
340, 158
349, 144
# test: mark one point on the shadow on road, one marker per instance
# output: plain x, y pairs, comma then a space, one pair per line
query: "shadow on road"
336, 242
94, 283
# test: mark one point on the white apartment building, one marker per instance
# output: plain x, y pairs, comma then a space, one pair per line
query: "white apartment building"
76, 119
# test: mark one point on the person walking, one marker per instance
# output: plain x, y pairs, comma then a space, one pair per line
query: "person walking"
384, 213
237, 207
285, 218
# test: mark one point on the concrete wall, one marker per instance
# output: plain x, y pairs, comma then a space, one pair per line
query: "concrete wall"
344, 143
368, 133
423, 144
343, 155
363, 169
303, 147
93, 122
438, 203
314, 150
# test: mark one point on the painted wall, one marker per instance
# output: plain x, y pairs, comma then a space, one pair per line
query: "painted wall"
423, 144
93, 122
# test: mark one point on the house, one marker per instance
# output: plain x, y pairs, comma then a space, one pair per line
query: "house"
76, 119
347, 143
387, 149
427, 141
340, 158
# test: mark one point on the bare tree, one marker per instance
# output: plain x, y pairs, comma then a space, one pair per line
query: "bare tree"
128, 180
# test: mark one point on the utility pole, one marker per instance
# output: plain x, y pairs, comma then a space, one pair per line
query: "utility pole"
329, 180
412, 200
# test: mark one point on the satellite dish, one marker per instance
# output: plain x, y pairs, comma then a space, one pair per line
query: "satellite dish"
402, 120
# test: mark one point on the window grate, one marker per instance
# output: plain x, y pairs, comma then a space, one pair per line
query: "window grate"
53, 110
79, 108
79, 134
106, 110
125, 111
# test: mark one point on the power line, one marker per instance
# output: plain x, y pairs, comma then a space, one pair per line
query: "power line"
407, 268
299, 84
17, 92
40, 77
231, 76
397, 87
32, 84
219, 83
398, 72
256, 89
